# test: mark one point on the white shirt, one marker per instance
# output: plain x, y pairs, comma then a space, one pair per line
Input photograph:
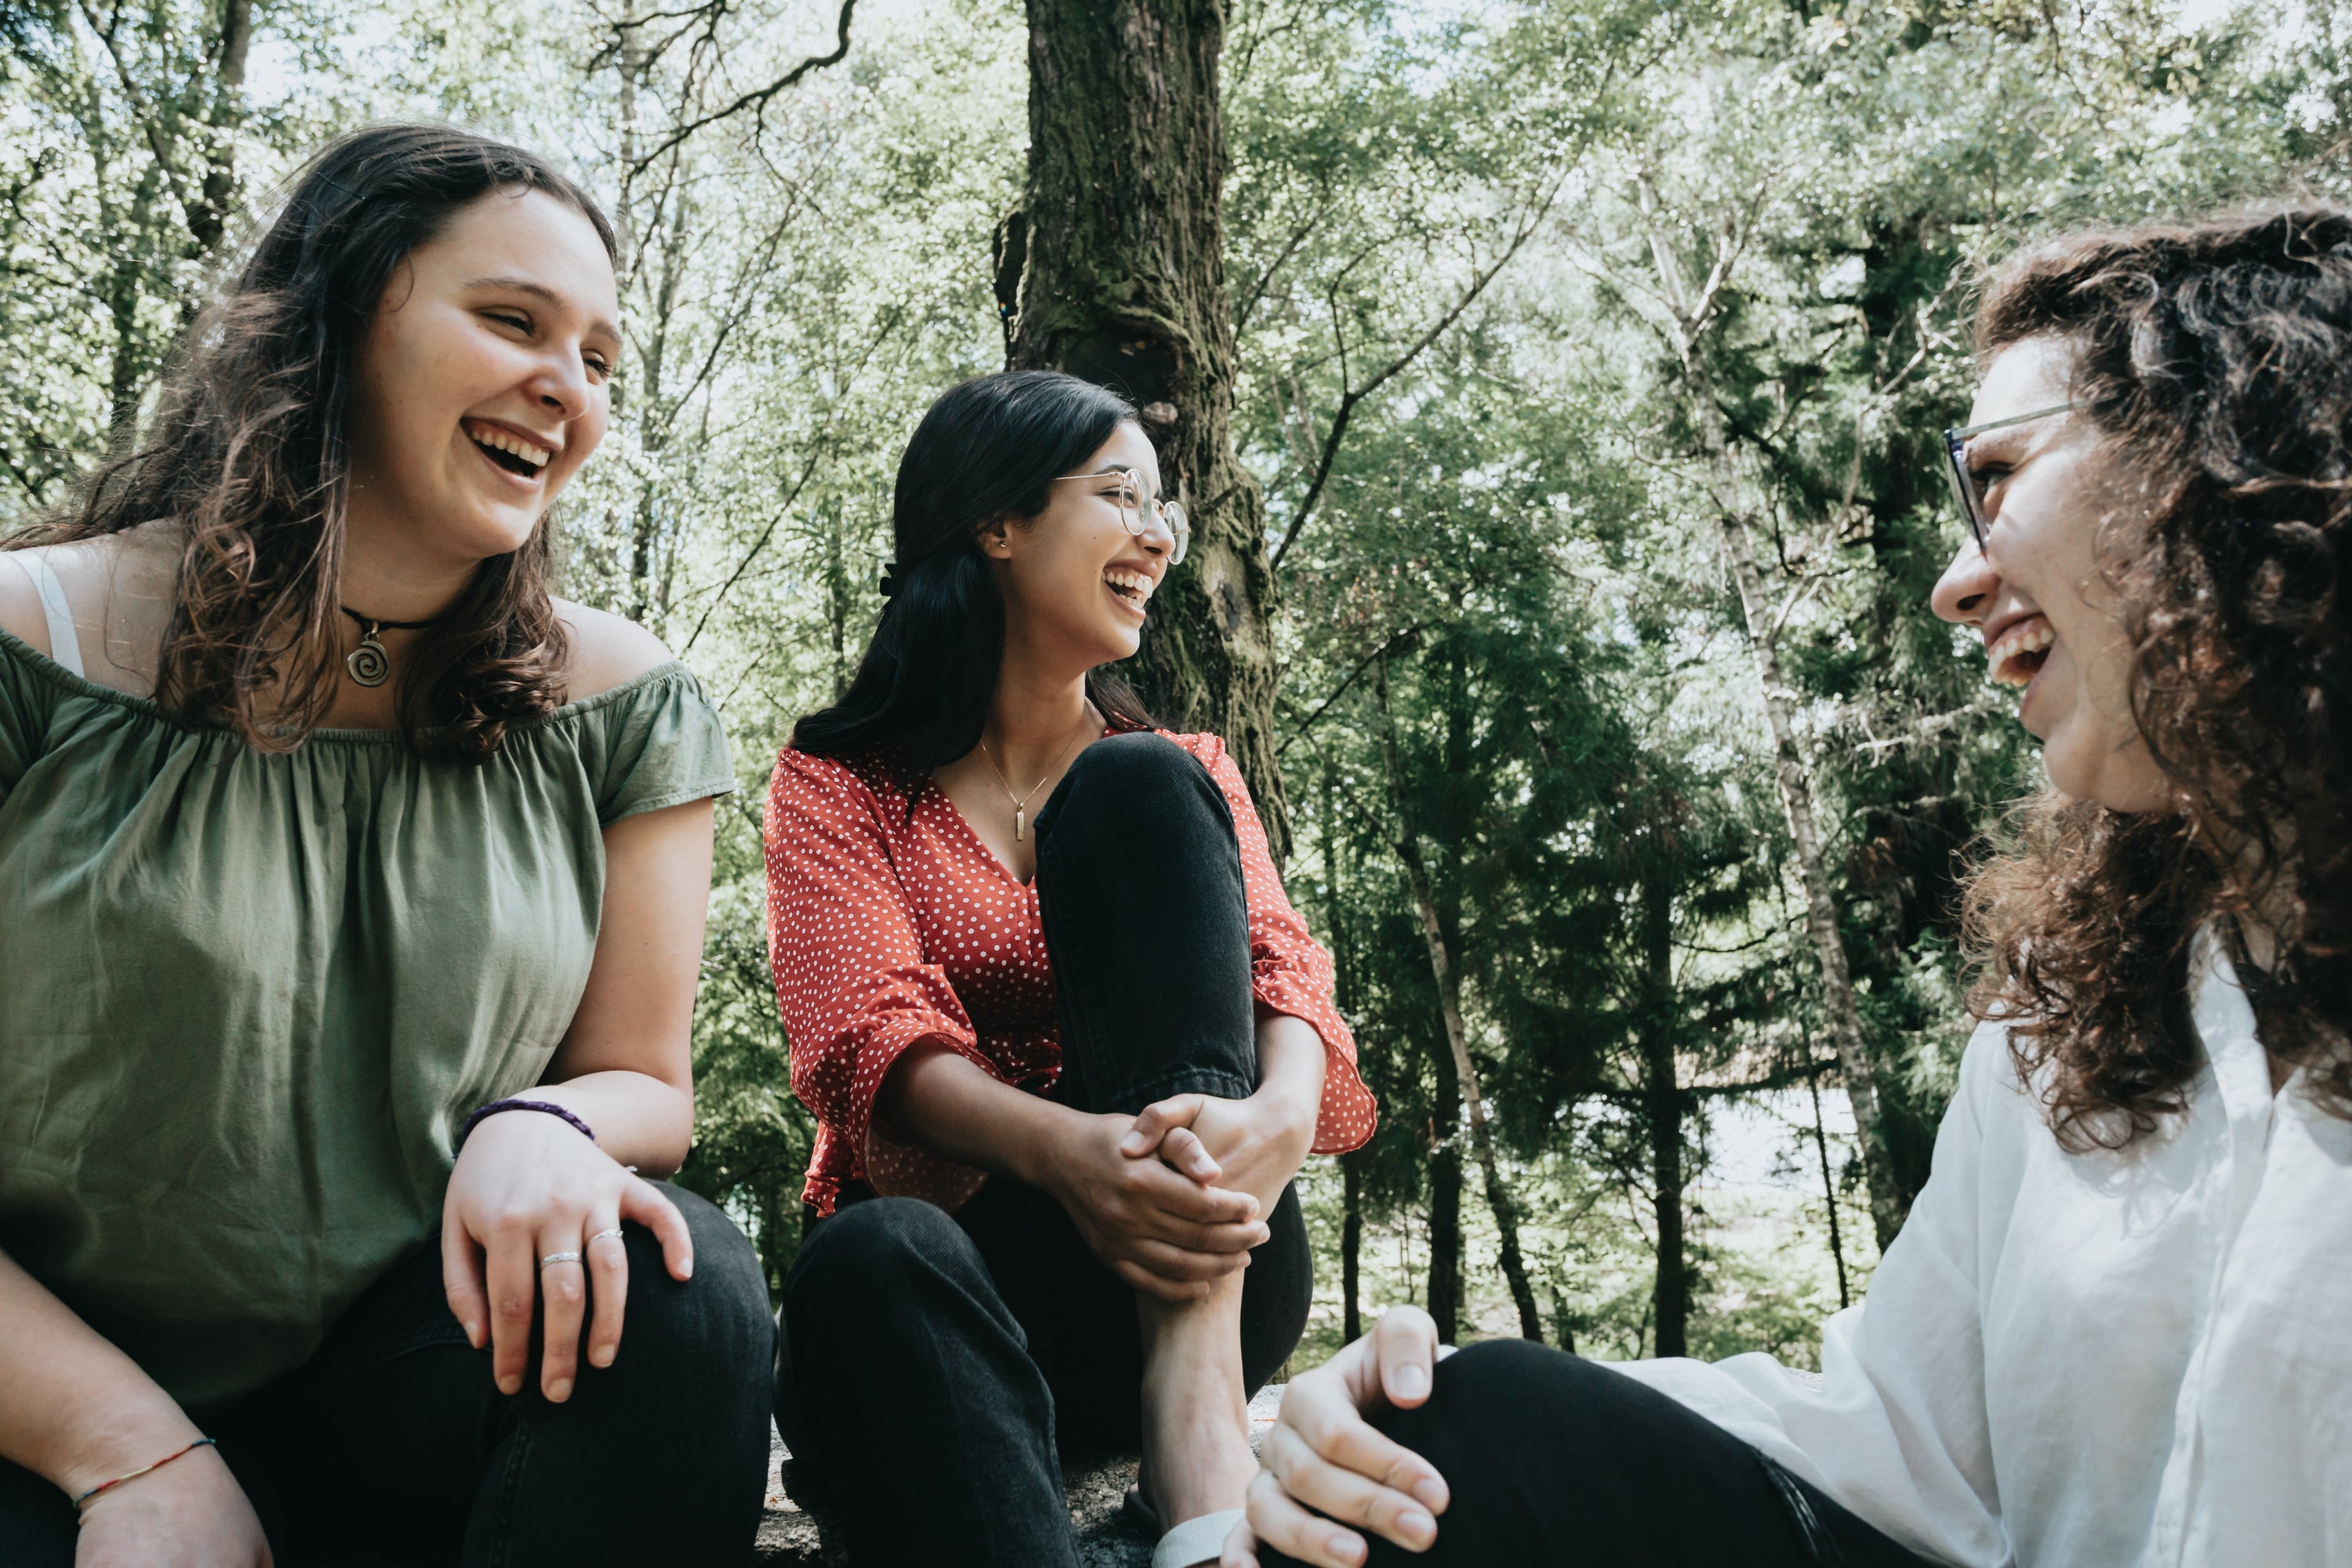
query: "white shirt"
2139, 1358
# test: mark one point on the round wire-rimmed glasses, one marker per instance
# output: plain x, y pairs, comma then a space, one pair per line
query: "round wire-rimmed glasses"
1956, 464
1139, 511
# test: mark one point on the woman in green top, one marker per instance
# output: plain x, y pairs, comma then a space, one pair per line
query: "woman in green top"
324, 830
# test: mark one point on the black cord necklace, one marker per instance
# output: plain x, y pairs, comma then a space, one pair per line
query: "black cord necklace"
370, 662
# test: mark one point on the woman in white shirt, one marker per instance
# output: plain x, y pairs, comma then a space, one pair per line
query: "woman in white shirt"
2116, 1328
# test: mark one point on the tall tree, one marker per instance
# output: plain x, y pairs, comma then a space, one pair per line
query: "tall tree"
1113, 270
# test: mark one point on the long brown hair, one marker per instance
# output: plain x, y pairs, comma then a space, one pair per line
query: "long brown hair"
2215, 358
247, 456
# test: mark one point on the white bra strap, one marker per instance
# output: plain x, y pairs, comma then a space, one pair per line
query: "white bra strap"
65, 643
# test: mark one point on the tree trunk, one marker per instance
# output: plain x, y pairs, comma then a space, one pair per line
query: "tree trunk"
1119, 252
1794, 776
1829, 1189
1449, 1001
209, 221
1445, 1271
1351, 1251
1663, 1093
1352, 1223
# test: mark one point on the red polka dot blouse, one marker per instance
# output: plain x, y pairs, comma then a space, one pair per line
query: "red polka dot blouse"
887, 928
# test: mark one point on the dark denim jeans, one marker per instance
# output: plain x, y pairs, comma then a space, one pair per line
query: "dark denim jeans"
1556, 1462
393, 1443
928, 1366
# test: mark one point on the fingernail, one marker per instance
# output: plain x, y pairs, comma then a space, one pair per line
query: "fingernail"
1133, 1143
1418, 1525
474, 1335
601, 1356
510, 1386
1410, 1382
559, 1391
1347, 1549
687, 1271
1432, 1493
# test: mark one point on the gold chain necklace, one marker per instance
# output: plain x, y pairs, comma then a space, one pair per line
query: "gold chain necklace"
1020, 801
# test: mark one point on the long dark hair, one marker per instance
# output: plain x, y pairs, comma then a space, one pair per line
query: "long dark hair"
988, 449
247, 453
2216, 360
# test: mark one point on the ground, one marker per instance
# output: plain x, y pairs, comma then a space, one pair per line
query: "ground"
792, 1536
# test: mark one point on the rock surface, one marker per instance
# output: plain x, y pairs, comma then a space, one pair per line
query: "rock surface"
797, 1534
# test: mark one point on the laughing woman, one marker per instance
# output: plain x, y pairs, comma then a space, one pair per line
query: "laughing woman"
2113, 1330
350, 902
1066, 1042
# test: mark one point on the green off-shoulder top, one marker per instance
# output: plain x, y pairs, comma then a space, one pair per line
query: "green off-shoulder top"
246, 1000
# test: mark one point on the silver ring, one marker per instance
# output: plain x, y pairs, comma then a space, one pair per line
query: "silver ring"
602, 1234
558, 1258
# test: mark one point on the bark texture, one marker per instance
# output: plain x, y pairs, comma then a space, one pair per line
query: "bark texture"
1114, 270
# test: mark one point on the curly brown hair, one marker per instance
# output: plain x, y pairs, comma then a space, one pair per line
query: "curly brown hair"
2215, 358
247, 455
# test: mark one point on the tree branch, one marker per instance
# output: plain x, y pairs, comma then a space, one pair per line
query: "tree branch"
1350, 398
758, 101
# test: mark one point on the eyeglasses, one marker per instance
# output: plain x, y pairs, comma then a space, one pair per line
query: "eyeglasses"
1956, 464
1140, 511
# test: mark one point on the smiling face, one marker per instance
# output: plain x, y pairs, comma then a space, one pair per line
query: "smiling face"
480, 387
2051, 625
1078, 585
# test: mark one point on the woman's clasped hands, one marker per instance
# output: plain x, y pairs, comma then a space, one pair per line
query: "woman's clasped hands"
534, 1213
1173, 1199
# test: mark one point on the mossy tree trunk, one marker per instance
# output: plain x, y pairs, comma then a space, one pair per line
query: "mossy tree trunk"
1113, 270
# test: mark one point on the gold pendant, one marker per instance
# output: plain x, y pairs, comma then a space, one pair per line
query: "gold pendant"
1020, 824
369, 663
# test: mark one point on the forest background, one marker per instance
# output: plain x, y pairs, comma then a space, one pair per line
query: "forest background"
1584, 363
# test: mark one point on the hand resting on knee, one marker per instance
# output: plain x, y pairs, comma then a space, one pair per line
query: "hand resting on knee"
1322, 1455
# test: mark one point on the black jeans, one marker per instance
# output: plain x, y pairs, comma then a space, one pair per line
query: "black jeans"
392, 1443
1556, 1462
927, 1365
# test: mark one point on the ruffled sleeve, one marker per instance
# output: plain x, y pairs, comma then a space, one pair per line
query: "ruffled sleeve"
1289, 971
853, 981
661, 742
26, 704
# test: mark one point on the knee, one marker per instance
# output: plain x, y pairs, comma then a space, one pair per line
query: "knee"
719, 1316
1140, 771
877, 1253
1480, 1389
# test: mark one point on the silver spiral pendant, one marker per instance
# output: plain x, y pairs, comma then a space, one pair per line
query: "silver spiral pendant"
370, 665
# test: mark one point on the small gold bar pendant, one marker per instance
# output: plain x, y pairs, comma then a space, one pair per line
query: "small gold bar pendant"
1020, 824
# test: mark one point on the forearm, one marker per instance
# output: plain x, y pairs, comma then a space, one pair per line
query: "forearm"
937, 1100
640, 1119
73, 1408
1290, 1065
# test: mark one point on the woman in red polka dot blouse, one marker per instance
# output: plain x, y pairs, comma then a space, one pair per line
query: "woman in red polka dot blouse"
1067, 1041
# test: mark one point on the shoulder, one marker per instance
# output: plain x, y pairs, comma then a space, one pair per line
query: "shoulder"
1207, 749
606, 651
20, 608
118, 587
830, 784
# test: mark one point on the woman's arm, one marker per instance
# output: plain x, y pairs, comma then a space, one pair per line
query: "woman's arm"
76, 1411
528, 1185
1164, 1225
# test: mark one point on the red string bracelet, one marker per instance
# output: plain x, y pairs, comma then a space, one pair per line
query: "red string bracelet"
108, 1486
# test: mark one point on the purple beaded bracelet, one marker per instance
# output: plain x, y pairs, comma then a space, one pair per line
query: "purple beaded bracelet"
549, 1107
